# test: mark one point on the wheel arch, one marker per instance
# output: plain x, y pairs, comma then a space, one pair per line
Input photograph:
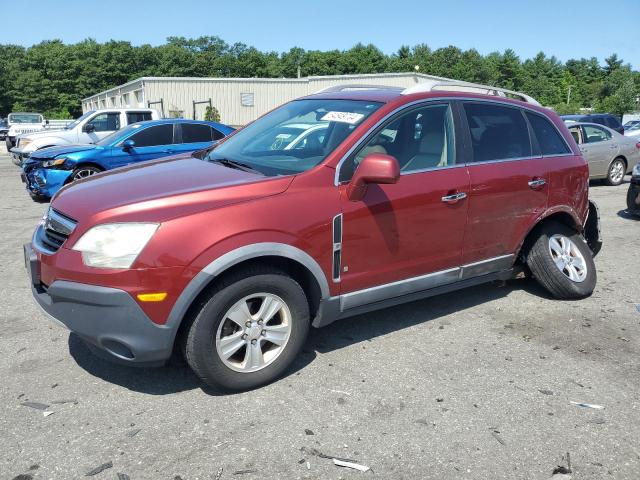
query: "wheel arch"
565, 216
295, 262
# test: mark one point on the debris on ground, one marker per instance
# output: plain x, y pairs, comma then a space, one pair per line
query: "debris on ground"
597, 421
546, 392
355, 466
317, 453
496, 435
123, 476
133, 433
587, 405
308, 432
340, 391
23, 476
562, 472
47, 413
219, 473
36, 405
97, 470
244, 472
65, 400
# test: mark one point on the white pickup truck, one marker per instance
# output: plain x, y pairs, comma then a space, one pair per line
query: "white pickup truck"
20, 123
89, 128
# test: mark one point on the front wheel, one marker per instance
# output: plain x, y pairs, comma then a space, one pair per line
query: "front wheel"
84, 172
249, 331
616, 172
562, 263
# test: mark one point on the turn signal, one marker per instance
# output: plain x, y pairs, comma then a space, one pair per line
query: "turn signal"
152, 297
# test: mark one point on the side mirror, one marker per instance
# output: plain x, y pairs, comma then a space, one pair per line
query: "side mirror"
88, 128
46, 122
376, 168
128, 144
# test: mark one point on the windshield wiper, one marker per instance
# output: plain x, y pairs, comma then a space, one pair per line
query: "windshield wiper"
234, 164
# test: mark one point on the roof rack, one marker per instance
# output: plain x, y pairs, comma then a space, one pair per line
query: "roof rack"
355, 86
457, 86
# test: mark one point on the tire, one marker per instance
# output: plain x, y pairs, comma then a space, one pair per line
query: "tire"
203, 347
83, 171
9, 144
616, 172
631, 199
552, 270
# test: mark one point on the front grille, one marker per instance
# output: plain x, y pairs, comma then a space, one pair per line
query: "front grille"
57, 228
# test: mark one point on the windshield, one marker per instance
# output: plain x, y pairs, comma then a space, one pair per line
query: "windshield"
75, 123
118, 135
295, 137
25, 118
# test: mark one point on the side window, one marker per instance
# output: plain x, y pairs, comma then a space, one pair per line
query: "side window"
595, 134
152, 136
217, 135
106, 122
612, 122
549, 139
420, 139
133, 117
497, 132
195, 133
575, 133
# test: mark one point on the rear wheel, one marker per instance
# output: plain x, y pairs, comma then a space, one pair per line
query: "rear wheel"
248, 331
84, 171
562, 263
616, 172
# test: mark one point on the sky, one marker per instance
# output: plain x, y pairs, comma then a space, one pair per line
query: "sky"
561, 28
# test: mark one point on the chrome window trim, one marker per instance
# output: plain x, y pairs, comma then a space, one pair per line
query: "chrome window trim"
466, 163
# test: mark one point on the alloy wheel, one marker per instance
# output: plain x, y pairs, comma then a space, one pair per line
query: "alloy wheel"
253, 332
616, 173
568, 258
83, 173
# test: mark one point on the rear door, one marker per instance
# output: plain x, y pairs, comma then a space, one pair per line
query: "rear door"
151, 142
103, 124
399, 233
598, 149
509, 184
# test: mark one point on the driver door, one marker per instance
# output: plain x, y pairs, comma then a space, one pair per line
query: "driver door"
150, 143
402, 232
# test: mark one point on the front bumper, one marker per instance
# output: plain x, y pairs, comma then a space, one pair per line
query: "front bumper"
44, 182
633, 196
18, 156
108, 319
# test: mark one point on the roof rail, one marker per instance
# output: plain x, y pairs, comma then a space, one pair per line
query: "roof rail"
355, 86
457, 86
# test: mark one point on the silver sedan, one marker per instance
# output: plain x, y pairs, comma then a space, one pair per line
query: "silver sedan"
610, 155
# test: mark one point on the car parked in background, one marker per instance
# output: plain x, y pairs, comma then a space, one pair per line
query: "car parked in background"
233, 257
4, 129
48, 169
631, 123
610, 155
89, 128
633, 195
21, 123
606, 119
632, 130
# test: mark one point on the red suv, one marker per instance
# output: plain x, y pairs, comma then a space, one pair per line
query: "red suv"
332, 205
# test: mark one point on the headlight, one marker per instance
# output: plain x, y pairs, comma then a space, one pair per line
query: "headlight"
23, 142
114, 245
53, 163
636, 170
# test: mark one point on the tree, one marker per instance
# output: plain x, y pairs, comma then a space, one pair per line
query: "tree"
212, 114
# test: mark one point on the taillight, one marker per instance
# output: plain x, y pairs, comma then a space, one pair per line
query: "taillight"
638, 145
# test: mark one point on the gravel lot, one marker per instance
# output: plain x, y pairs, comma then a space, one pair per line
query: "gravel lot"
472, 385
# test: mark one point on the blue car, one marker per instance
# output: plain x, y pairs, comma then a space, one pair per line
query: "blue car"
49, 169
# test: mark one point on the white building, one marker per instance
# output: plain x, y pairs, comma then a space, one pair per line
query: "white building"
239, 100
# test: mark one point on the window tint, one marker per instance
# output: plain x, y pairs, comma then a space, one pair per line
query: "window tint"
419, 139
217, 135
612, 122
133, 117
193, 133
152, 136
106, 122
549, 139
595, 134
497, 133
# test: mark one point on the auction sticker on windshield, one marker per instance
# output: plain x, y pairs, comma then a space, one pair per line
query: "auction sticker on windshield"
343, 117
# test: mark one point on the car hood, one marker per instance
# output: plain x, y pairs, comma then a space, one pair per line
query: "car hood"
159, 190
52, 152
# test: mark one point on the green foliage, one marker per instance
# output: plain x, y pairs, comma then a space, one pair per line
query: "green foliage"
52, 77
212, 114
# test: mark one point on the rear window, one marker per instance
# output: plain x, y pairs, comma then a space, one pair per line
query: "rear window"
195, 133
133, 117
549, 139
497, 132
153, 136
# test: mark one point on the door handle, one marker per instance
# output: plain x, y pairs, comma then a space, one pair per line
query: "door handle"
537, 183
454, 197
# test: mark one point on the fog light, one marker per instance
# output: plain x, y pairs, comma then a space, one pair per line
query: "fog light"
152, 297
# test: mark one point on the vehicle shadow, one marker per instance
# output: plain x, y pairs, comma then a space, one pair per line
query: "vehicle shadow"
177, 377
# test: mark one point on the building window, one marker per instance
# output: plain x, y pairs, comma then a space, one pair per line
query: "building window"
139, 99
125, 99
246, 99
